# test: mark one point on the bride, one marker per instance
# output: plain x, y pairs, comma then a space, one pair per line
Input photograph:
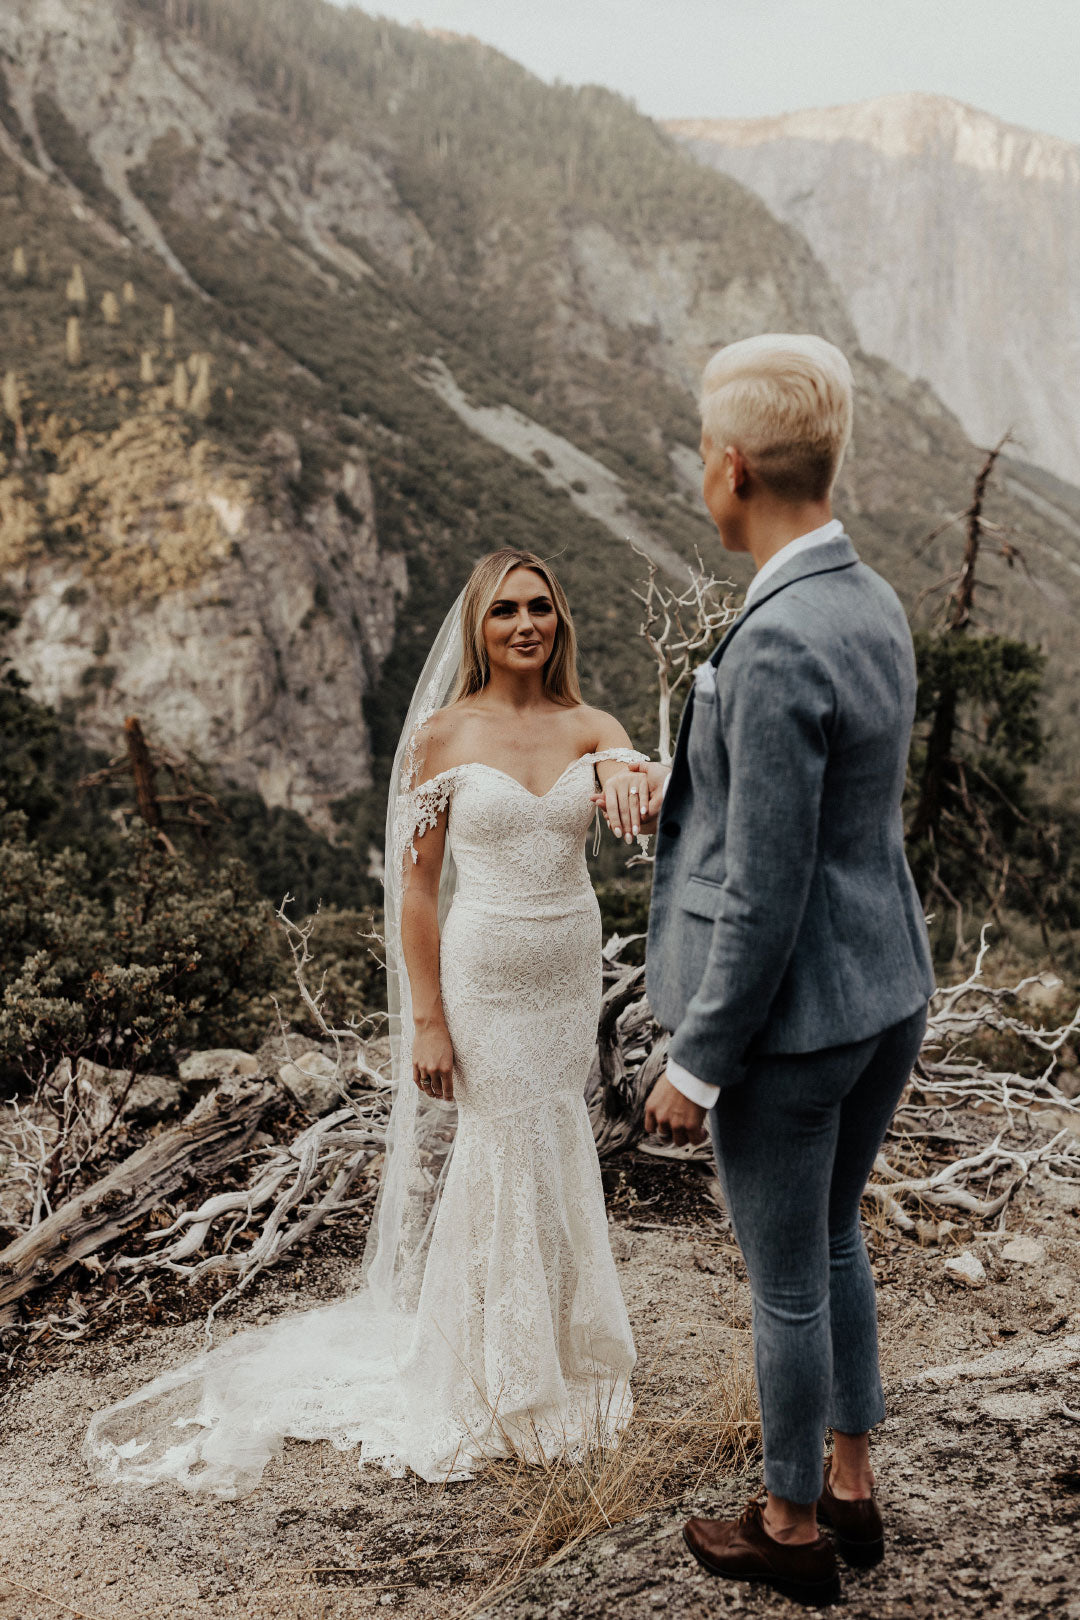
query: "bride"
490, 1320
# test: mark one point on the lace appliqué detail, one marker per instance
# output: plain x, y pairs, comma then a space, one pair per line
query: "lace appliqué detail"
627, 756
419, 809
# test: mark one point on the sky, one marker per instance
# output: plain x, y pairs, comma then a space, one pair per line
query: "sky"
1019, 59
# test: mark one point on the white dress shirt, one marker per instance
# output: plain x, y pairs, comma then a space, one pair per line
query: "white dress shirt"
700, 1091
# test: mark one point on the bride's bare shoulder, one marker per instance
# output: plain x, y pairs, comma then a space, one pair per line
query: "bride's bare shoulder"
438, 742
600, 730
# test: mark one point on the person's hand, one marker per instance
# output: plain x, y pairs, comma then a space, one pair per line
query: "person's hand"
673, 1117
433, 1060
630, 799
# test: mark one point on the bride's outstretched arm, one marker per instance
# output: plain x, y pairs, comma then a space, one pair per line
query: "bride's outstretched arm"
631, 796
433, 1052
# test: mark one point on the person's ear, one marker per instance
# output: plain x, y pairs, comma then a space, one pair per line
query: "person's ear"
735, 468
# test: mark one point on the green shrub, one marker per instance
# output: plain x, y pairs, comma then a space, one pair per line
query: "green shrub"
179, 954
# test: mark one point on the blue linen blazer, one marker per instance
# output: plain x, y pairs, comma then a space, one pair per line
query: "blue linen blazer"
784, 916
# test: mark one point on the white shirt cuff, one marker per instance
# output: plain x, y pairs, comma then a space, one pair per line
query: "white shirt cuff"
663, 785
697, 1091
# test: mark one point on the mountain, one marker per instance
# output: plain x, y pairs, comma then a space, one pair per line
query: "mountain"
955, 239
355, 305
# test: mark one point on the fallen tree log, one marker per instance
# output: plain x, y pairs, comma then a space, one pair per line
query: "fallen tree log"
218, 1128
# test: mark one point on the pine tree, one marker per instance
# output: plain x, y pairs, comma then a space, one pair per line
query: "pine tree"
74, 341
19, 271
13, 410
199, 403
168, 323
76, 287
146, 367
110, 308
127, 292
180, 388
976, 835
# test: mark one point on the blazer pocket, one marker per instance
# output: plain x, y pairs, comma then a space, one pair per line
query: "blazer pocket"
702, 896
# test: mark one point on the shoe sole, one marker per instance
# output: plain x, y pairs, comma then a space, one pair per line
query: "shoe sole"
811, 1594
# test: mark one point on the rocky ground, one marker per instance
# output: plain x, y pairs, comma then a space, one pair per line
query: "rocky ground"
979, 1460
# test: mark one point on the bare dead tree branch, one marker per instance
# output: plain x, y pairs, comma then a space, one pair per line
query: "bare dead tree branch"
678, 627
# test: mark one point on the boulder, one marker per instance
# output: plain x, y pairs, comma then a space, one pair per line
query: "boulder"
966, 1270
152, 1096
1024, 1251
313, 1081
220, 1063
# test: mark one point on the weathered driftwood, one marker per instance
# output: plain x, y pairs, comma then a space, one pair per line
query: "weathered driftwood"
218, 1128
628, 1059
292, 1193
980, 1179
296, 1186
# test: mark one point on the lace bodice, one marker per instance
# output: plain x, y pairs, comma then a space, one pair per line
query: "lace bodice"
511, 846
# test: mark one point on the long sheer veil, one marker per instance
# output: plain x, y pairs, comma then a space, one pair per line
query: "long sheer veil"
333, 1372
419, 1137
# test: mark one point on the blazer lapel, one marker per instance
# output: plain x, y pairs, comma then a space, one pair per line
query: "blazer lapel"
823, 559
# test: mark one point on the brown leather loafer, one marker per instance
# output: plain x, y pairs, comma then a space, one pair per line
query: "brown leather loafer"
743, 1550
856, 1526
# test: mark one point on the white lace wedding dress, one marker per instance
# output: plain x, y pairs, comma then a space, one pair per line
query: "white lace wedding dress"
516, 1336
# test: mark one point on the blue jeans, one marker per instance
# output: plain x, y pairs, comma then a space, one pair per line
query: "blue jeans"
795, 1145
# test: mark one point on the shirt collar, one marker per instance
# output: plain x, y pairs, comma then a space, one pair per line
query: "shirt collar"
816, 537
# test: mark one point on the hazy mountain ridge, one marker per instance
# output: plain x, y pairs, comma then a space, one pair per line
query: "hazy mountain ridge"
329, 202
955, 238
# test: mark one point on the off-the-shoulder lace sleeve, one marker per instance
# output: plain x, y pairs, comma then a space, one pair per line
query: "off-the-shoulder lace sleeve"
628, 756
418, 810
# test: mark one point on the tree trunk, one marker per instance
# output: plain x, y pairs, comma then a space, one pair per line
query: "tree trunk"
143, 772
927, 818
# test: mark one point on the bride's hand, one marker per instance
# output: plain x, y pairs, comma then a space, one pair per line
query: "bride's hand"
433, 1061
631, 799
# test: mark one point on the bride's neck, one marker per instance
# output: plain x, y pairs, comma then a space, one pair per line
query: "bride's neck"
525, 691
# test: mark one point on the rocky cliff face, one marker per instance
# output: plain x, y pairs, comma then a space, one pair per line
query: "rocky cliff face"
955, 238
242, 505
154, 571
246, 631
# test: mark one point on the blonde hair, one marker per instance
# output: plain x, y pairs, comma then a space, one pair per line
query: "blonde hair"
784, 400
474, 672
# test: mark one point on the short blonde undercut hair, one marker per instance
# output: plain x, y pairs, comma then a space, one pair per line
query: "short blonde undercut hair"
785, 400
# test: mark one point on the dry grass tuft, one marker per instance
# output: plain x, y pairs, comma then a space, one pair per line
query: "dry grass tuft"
553, 1505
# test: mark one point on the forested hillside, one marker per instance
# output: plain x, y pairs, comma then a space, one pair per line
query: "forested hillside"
233, 500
